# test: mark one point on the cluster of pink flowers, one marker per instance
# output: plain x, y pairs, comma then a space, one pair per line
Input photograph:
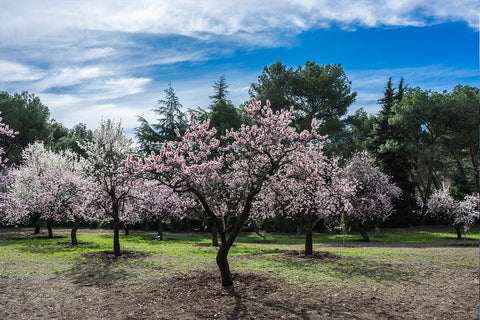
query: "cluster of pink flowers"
6, 131
460, 213
47, 186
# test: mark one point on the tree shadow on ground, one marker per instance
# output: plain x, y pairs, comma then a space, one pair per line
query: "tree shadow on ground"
338, 265
102, 268
252, 296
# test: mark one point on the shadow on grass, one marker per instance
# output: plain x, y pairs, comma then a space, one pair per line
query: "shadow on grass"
338, 265
54, 247
102, 268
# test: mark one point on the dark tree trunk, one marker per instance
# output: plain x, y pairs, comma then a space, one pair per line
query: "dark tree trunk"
49, 228
364, 234
36, 223
309, 242
459, 232
160, 230
116, 230
474, 156
222, 264
214, 235
73, 233
424, 212
127, 230
37, 228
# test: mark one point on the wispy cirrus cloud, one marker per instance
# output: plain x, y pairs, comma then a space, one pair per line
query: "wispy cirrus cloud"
13, 71
198, 18
116, 56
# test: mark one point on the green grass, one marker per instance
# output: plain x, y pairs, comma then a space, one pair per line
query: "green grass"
24, 255
423, 261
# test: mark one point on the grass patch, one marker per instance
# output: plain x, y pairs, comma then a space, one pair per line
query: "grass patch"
411, 273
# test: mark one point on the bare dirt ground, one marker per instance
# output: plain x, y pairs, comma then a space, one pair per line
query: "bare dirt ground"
101, 288
199, 295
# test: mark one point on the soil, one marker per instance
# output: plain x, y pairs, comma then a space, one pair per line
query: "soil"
127, 288
110, 255
314, 255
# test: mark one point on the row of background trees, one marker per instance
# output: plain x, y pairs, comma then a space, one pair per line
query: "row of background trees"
419, 138
259, 165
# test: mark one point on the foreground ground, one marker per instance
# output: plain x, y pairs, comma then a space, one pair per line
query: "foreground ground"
402, 274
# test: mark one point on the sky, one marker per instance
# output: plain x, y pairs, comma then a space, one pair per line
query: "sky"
113, 59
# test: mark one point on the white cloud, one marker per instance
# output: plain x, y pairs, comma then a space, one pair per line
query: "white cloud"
70, 76
12, 71
199, 18
115, 88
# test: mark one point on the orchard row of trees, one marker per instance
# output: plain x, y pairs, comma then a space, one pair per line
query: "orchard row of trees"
421, 139
238, 167
242, 176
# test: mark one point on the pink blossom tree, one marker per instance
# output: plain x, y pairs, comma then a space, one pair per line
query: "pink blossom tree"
5, 133
28, 197
309, 189
371, 199
104, 164
157, 203
227, 180
5, 178
48, 186
461, 214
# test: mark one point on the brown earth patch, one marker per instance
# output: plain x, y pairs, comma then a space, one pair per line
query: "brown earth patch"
208, 244
314, 255
110, 255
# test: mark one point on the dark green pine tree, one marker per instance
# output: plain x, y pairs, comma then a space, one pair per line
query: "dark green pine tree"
387, 147
223, 115
171, 117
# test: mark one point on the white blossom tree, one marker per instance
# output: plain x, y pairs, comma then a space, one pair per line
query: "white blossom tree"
105, 156
371, 199
461, 214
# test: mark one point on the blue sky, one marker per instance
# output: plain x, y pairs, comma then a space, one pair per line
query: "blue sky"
113, 59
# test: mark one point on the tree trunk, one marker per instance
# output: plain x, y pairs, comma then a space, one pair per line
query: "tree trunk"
364, 234
37, 228
222, 264
309, 243
49, 228
459, 232
473, 156
36, 223
214, 235
73, 233
160, 230
127, 230
116, 230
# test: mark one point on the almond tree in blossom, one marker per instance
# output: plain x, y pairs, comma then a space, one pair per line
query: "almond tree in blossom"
48, 186
5, 133
371, 199
5, 178
460, 214
29, 196
157, 203
104, 164
226, 180
309, 189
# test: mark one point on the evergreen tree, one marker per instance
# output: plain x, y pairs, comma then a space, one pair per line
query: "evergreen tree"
392, 154
222, 114
151, 137
27, 114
